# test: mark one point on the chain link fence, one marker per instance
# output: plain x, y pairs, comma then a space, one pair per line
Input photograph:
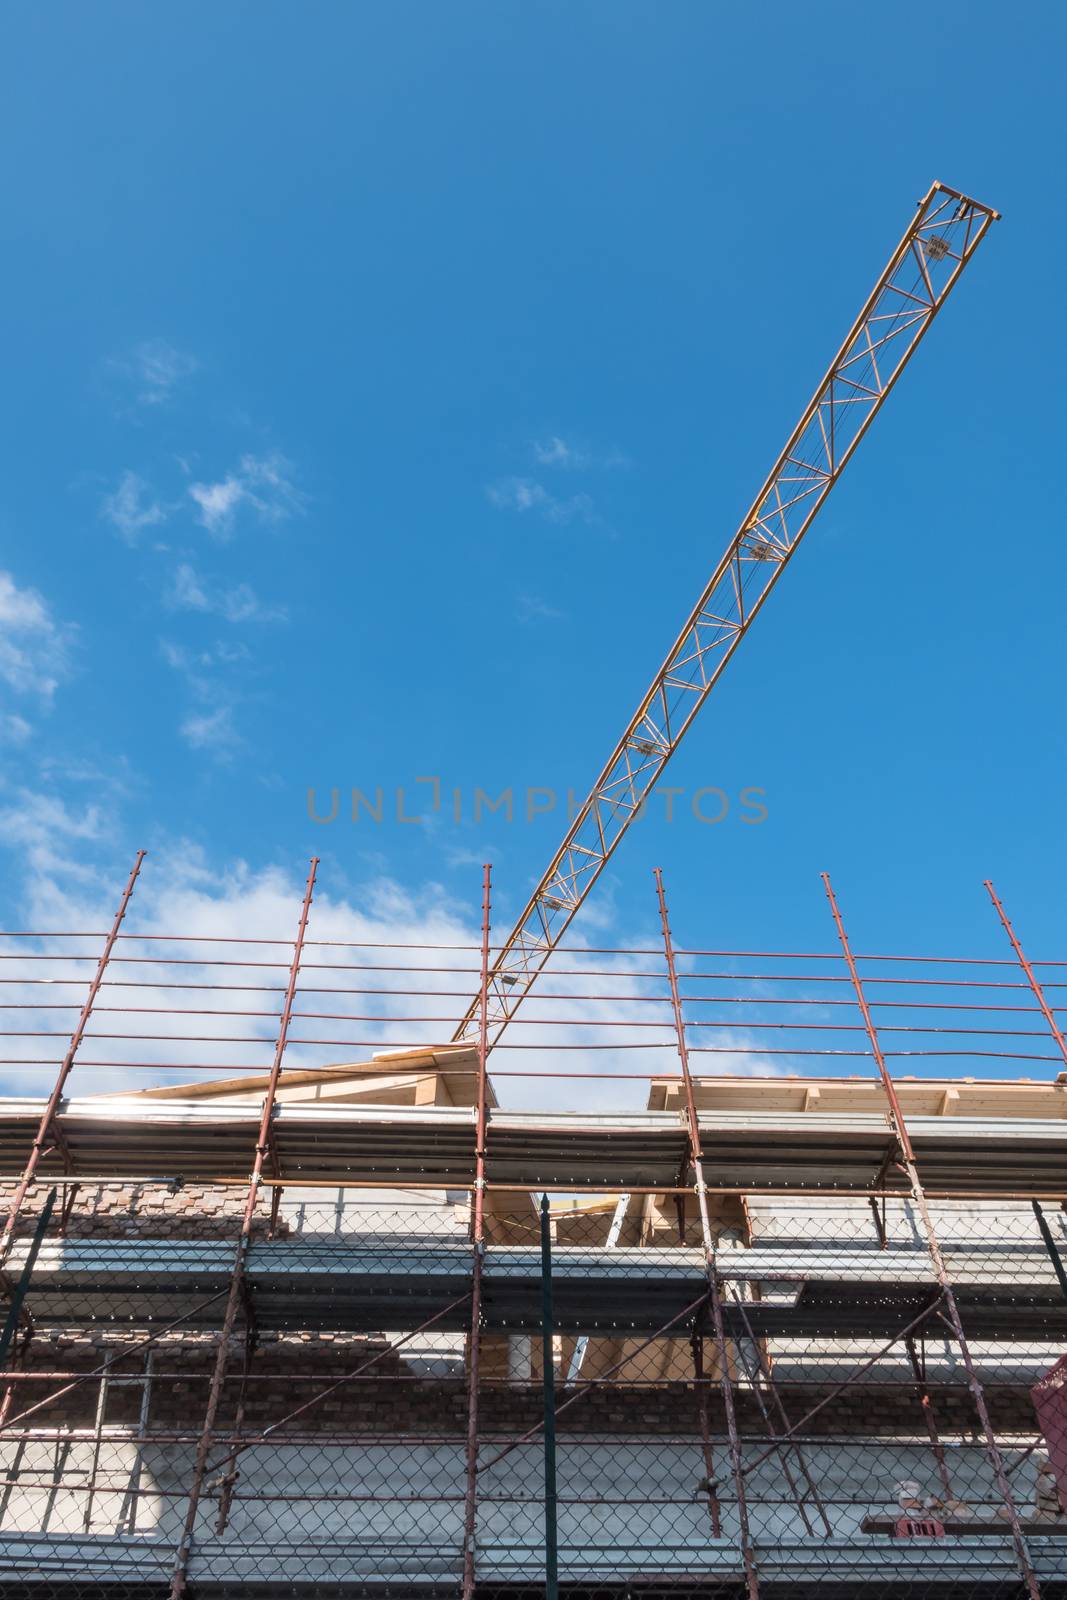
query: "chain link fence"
805, 1420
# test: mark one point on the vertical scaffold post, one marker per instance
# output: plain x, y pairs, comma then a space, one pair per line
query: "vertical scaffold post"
470, 1508
926, 1406
237, 1281
918, 1195
47, 1128
548, 1385
696, 1345
1031, 976
696, 1162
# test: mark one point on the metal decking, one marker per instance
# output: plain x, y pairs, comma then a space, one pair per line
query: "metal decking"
215, 1141
1004, 1292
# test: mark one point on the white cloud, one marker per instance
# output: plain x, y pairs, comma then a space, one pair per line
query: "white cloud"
158, 368
131, 509
217, 503
14, 729
526, 494
211, 730
557, 452
43, 828
34, 648
192, 664
460, 856
554, 452
189, 592
21, 609
532, 609
74, 872
258, 483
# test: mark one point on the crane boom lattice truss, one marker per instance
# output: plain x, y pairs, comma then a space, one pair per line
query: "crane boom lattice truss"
946, 231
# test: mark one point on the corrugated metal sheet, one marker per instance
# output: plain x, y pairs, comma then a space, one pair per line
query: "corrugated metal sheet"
128, 1137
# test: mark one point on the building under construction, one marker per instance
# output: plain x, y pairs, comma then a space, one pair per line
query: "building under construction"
792, 1327
741, 1274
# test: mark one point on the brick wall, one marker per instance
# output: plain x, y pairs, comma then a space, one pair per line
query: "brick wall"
286, 1370
139, 1210
387, 1400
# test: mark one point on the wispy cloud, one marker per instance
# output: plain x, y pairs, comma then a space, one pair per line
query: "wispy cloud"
260, 484
558, 452
151, 371
49, 834
190, 592
527, 494
531, 608
458, 855
159, 368
131, 508
34, 648
208, 678
211, 730
192, 664
14, 729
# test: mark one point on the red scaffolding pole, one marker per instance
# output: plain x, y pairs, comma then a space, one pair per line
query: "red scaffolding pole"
237, 1283
696, 1163
1031, 977
48, 1132
470, 1506
907, 1160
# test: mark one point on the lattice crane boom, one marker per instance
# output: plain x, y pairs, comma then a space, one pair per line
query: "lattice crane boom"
920, 274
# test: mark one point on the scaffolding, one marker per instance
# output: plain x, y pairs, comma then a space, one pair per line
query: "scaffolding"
278, 1326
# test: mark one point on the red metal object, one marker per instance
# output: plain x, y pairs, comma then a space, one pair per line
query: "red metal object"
47, 1129
937, 1259
714, 1286
178, 1578
587, 1384
470, 1508
930, 1420
300, 1392
918, 1528
97, 1372
700, 1381
1031, 978
247, 1443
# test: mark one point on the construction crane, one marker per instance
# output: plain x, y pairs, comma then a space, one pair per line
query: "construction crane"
944, 234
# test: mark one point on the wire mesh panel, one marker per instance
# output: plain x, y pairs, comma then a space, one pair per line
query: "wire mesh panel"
338, 1450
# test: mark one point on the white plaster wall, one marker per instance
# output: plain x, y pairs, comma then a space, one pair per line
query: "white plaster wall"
639, 1497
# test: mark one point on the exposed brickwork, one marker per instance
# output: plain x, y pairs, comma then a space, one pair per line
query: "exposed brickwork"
286, 1371
142, 1211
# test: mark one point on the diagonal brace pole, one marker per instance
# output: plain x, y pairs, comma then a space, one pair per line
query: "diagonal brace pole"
48, 1126
178, 1583
696, 1162
951, 1313
1031, 976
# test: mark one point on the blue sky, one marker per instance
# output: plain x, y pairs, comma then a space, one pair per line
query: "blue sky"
384, 381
